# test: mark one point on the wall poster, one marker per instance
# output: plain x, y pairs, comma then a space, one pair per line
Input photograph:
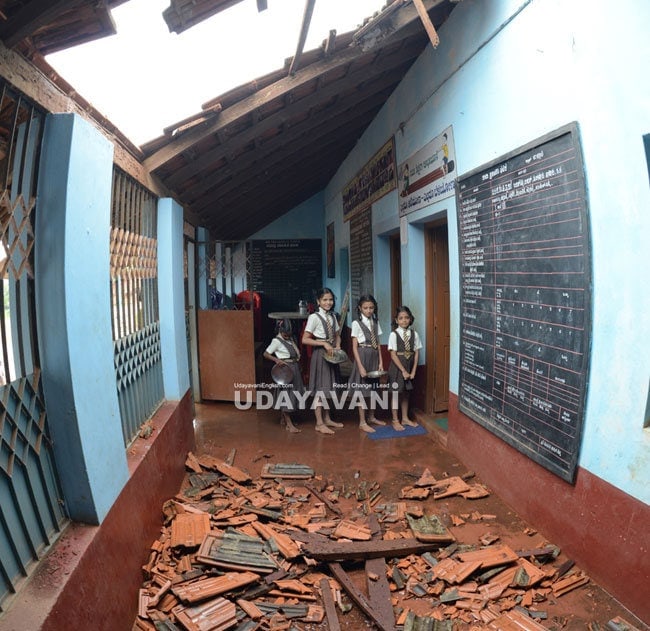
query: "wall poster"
374, 180
428, 175
525, 277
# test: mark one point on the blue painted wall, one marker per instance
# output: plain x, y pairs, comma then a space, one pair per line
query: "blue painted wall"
305, 221
507, 72
74, 315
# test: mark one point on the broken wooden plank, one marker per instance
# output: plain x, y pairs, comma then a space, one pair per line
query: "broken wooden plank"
327, 550
358, 597
379, 590
329, 604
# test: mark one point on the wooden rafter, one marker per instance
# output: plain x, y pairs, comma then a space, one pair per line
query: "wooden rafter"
405, 18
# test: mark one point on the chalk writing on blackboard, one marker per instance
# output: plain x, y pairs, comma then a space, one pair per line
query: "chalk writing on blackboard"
525, 298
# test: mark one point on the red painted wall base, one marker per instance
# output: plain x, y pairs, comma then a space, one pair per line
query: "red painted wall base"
606, 531
90, 578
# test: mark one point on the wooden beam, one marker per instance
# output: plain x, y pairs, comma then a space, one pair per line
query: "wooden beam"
358, 597
332, 551
279, 89
378, 67
304, 29
31, 17
426, 21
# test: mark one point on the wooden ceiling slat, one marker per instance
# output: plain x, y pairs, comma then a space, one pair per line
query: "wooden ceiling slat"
33, 16
407, 15
354, 117
207, 159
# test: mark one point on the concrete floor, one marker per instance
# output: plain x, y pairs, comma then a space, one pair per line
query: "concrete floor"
351, 455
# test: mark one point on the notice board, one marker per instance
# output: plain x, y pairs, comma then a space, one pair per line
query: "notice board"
525, 277
361, 265
286, 271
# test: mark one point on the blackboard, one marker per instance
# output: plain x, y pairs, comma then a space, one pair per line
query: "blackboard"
286, 271
361, 267
525, 277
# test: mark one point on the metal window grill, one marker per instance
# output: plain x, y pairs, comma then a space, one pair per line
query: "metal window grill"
227, 266
33, 512
134, 302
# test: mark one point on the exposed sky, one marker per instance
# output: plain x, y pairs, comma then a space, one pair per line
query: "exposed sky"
145, 78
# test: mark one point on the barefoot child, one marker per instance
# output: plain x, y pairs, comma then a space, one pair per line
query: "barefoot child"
322, 332
367, 356
283, 351
404, 346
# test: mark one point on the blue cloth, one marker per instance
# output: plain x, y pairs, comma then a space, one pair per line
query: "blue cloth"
387, 431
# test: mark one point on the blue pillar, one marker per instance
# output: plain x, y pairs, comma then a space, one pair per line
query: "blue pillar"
171, 300
73, 315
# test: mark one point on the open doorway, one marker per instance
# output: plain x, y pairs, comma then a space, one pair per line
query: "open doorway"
437, 325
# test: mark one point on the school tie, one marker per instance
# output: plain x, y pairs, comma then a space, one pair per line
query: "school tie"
330, 328
407, 341
373, 337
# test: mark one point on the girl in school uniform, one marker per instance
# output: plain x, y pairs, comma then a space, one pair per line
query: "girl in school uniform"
367, 356
283, 351
404, 346
322, 332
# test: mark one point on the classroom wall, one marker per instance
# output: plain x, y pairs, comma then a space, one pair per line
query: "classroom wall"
508, 72
505, 73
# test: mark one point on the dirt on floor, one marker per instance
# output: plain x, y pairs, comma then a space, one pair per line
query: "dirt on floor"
351, 460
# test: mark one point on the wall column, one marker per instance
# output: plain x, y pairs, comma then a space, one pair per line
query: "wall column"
72, 238
171, 300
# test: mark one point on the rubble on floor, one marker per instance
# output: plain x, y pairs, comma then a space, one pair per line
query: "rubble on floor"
285, 551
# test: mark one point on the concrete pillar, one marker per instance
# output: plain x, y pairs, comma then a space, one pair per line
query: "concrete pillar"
73, 314
171, 300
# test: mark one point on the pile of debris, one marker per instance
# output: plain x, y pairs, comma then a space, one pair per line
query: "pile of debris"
272, 553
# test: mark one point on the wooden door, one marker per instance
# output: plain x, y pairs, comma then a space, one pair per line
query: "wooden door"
438, 325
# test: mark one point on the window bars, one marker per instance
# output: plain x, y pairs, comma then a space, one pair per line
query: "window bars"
33, 511
134, 302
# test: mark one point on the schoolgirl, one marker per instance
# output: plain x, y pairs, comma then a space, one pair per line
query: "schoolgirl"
367, 356
404, 346
322, 333
283, 351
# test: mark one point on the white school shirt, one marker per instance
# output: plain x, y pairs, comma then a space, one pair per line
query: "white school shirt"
315, 325
277, 348
416, 345
357, 331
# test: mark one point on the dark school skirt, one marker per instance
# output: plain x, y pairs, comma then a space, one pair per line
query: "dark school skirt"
395, 374
370, 359
323, 376
288, 402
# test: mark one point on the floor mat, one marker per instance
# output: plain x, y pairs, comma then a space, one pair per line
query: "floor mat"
387, 431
